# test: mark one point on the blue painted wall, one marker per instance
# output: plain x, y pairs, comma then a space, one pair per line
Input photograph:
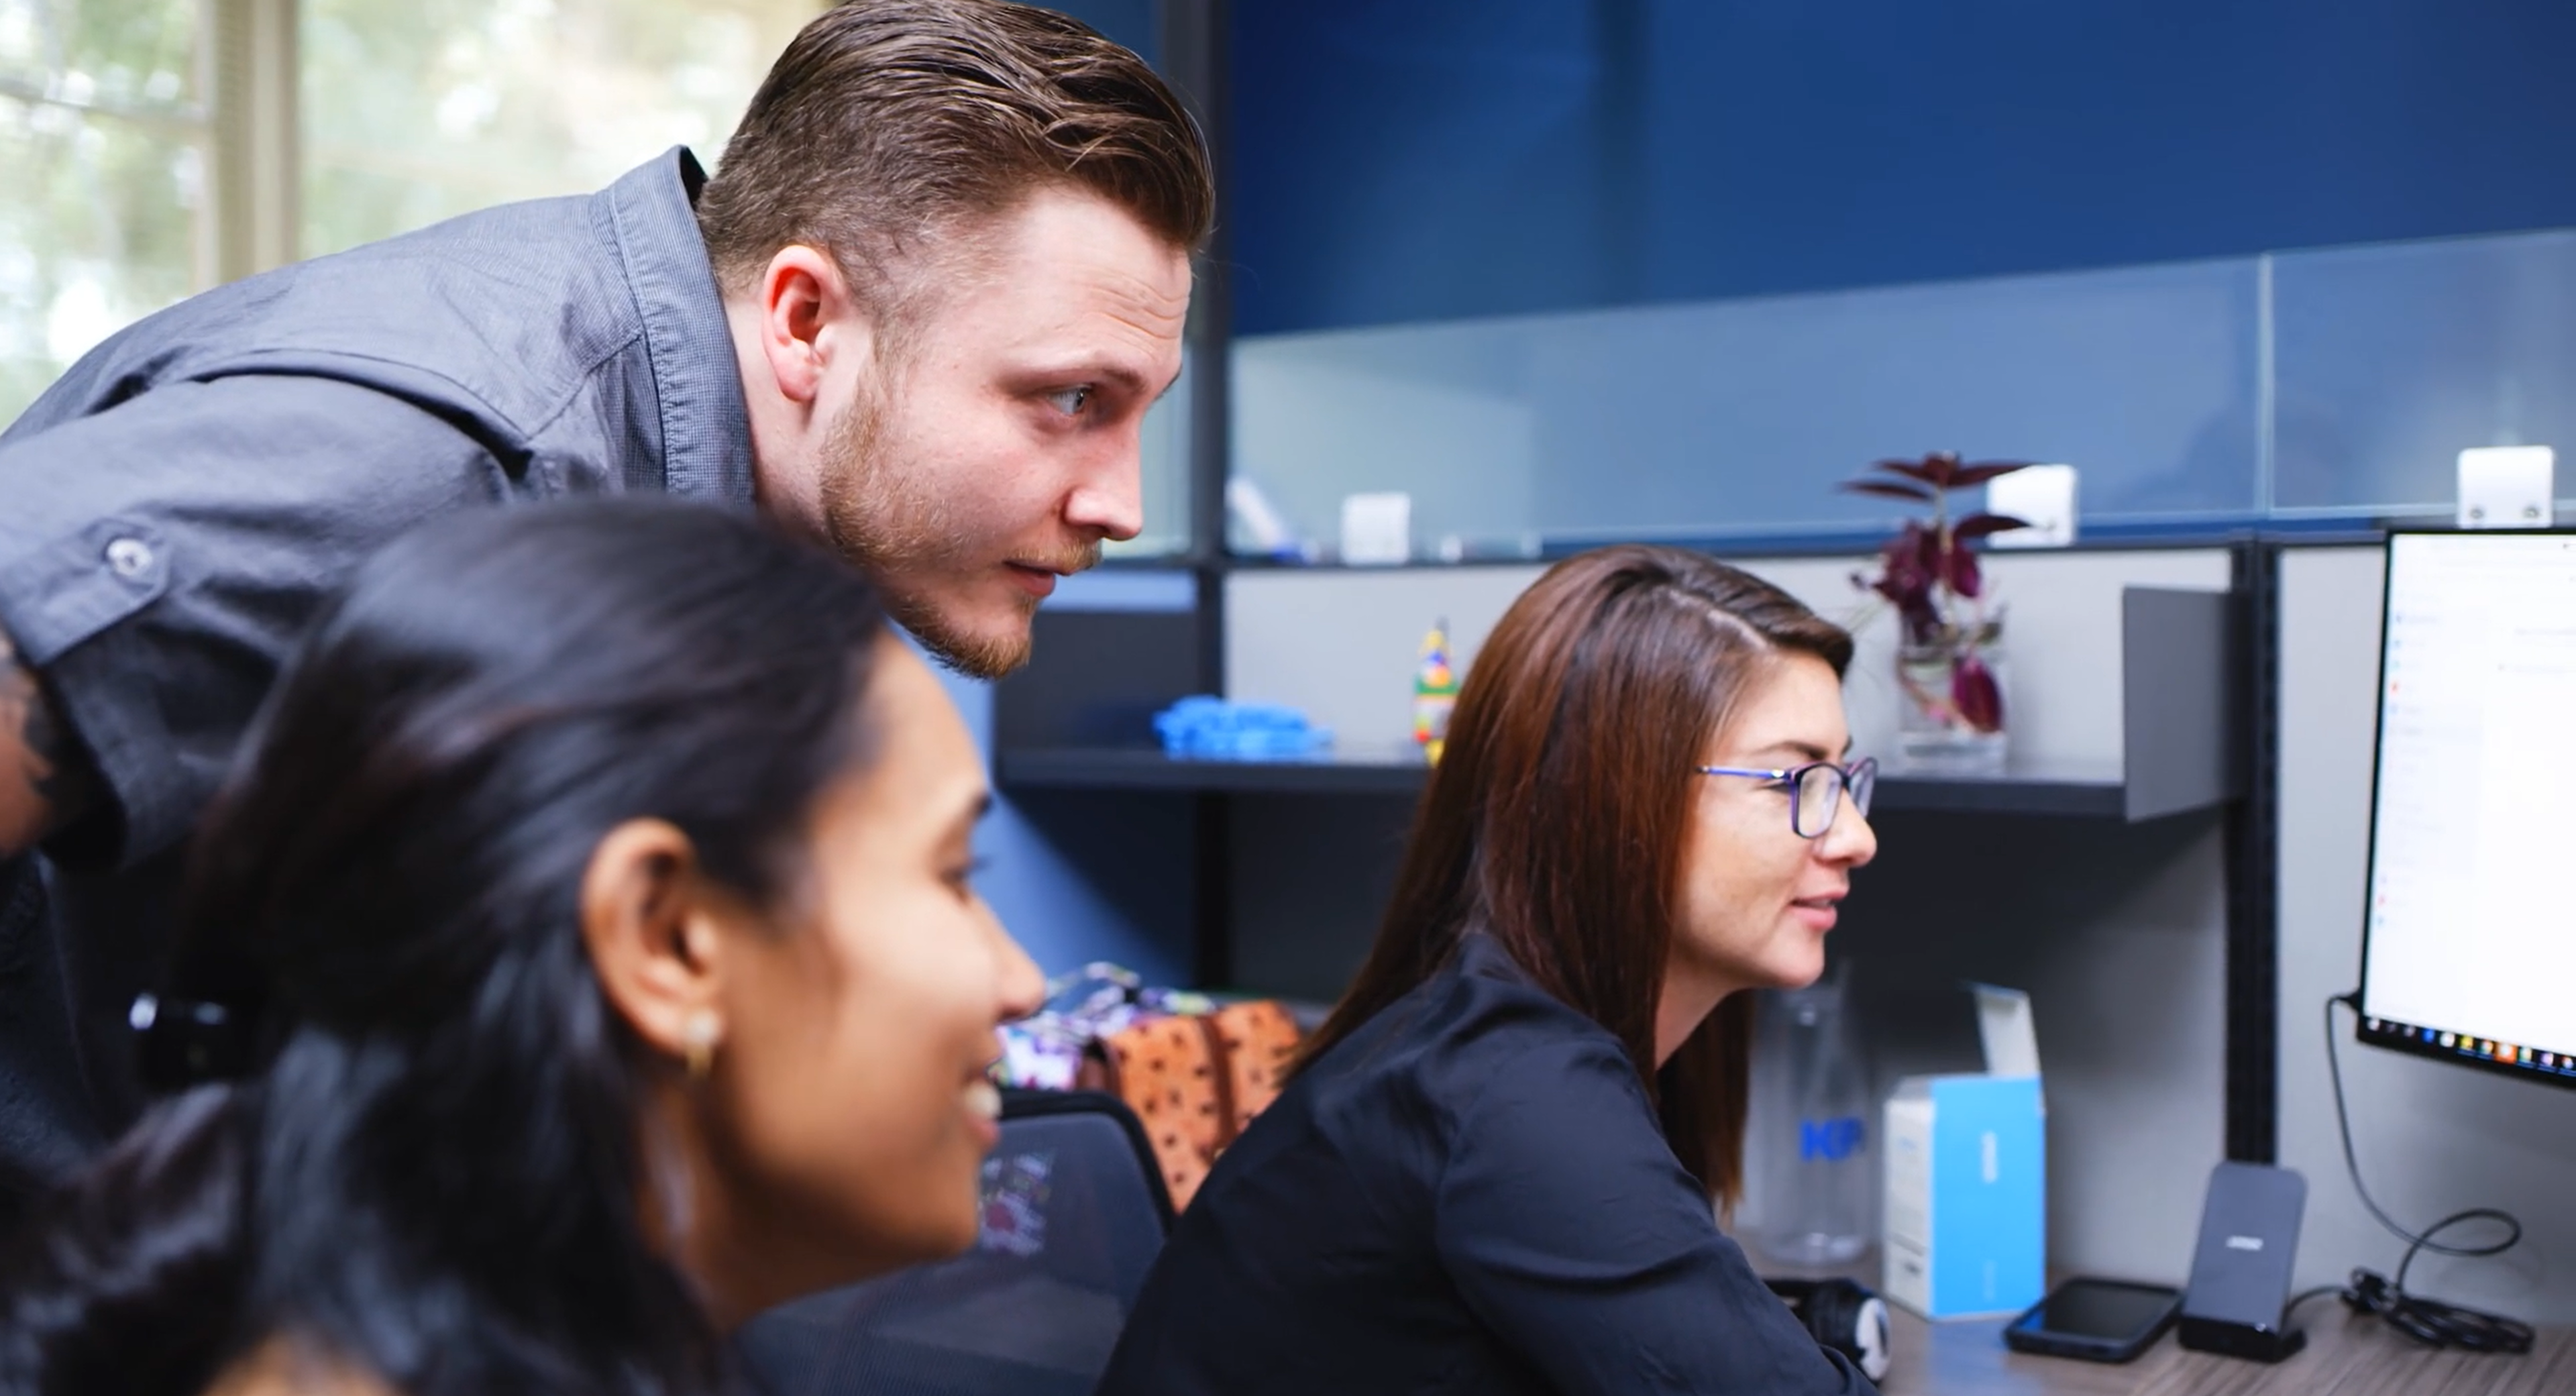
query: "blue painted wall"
1135, 23
1035, 854
1399, 160
1403, 160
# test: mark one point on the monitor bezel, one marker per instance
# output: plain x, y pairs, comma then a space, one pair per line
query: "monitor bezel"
2388, 1037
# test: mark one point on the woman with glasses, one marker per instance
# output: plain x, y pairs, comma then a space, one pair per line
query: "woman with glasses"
1500, 1163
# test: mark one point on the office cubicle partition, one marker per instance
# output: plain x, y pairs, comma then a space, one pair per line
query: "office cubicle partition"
2176, 961
2095, 871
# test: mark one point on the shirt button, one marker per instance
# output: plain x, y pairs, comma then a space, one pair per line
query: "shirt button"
129, 558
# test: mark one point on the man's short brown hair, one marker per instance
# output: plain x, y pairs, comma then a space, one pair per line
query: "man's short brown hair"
889, 124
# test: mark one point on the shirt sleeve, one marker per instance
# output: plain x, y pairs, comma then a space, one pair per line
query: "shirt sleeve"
158, 558
1578, 1239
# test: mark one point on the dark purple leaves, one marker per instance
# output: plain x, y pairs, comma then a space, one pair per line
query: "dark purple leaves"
1912, 556
1910, 565
1890, 489
1973, 690
1934, 470
1942, 470
1980, 525
1927, 560
1962, 574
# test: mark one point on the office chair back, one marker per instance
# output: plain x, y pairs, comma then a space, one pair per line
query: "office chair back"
1074, 1214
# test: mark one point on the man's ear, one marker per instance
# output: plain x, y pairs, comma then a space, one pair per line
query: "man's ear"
652, 936
808, 317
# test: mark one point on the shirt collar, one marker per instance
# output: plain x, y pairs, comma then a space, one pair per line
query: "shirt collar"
1480, 954
697, 381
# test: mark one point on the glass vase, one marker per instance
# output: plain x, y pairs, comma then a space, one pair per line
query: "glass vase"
1953, 709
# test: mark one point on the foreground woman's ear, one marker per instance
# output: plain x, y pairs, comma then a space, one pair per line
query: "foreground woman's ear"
653, 939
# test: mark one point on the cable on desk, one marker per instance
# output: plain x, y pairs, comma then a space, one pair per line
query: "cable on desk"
2427, 1321
2303, 1296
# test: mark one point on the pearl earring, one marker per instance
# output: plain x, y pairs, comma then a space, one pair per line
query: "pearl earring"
698, 1042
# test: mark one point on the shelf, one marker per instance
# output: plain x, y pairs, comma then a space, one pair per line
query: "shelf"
2036, 789
1081, 723
2090, 791
1381, 771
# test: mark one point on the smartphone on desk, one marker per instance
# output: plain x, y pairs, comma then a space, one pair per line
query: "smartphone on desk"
2097, 1320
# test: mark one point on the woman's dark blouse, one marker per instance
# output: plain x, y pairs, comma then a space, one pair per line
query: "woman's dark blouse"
1469, 1194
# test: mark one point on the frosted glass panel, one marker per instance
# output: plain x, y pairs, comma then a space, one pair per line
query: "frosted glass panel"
1164, 447
2389, 360
1737, 418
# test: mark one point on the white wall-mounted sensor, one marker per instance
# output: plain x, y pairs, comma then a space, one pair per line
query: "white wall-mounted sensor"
2042, 496
2507, 487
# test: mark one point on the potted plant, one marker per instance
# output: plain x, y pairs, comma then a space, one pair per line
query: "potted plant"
1949, 652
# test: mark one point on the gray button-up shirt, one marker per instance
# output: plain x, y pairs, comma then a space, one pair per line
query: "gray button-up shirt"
172, 510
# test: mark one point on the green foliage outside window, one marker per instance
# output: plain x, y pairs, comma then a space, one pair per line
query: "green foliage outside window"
418, 111
103, 143
411, 111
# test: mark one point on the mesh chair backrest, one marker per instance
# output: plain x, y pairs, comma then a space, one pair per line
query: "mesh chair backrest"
1072, 1222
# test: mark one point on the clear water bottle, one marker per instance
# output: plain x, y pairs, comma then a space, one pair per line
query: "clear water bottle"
1809, 1131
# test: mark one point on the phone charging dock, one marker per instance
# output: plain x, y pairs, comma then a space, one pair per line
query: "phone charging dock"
2238, 1299
2231, 1339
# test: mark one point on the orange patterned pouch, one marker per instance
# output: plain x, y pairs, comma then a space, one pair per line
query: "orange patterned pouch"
1196, 1081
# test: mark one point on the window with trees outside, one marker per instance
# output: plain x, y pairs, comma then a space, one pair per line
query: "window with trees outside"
154, 148
105, 144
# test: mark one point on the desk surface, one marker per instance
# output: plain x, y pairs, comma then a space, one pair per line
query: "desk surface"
2347, 1355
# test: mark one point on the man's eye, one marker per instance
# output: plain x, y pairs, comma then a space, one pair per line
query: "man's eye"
1071, 401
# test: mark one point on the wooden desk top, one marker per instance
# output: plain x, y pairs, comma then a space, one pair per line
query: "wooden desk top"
2347, 1355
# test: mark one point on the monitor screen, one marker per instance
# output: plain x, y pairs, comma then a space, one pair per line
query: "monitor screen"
2469, 947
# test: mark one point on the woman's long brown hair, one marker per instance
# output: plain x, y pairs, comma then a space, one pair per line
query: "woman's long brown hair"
1556, 819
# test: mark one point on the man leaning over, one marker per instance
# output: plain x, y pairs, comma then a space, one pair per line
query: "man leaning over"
918, 312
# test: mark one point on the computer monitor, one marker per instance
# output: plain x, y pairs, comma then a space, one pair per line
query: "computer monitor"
2469, 939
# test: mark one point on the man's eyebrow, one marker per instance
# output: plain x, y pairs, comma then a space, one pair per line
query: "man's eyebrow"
1125, 376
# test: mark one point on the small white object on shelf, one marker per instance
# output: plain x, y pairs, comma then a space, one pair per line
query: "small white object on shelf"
2042, 496
1377, 529
2507, 487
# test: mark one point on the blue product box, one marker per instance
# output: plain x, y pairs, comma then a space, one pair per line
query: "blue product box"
1967, 1176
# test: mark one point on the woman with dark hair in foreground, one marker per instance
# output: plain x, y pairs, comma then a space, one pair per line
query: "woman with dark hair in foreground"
1495, 1168
587, 930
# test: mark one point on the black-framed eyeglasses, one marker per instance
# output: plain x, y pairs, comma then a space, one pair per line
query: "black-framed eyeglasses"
1817, 790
